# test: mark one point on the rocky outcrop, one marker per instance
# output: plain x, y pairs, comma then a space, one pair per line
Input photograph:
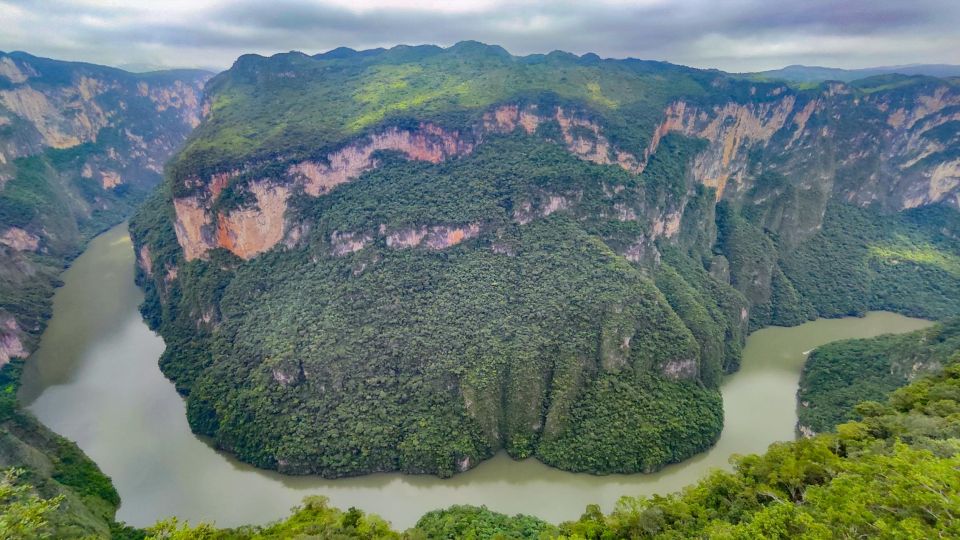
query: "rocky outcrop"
680, 369
581, 135
250, 231
430, 143
895, 162
20, 239
434, 237
110, 179
11, 344
193, 227
145, 260
62, 105
731, 129
67, 118
344, 243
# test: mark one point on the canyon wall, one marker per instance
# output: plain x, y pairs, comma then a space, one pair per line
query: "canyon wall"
80, 146
260, 226
889, 157
880, 148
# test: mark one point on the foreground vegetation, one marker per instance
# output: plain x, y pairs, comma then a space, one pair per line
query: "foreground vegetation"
51, 478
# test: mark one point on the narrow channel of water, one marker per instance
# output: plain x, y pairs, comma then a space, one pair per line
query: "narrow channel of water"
95, 380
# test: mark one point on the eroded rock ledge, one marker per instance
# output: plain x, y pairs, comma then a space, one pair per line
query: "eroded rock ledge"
249, 231
799, 127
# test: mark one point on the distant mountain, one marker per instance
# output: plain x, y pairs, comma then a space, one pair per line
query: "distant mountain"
807, 74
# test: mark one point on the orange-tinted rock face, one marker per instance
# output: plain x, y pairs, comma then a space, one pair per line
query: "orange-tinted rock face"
582, 137
430, 143
110, 179
195, 226
145, 260
730, 129
251, 231
444, 237
343, 243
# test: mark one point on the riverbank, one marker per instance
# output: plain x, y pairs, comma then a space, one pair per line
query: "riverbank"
95, 380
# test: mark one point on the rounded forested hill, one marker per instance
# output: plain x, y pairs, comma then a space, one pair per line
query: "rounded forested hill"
409, 259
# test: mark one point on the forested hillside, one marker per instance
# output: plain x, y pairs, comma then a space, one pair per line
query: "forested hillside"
408, 259
80, 147
839, 375
891, 474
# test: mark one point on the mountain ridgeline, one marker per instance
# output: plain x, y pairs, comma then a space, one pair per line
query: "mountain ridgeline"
408, 259
80, 147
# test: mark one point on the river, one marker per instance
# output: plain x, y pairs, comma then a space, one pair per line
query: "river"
95, 380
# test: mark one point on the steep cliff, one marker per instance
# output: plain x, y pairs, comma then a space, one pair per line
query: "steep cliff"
80, 147
445, 252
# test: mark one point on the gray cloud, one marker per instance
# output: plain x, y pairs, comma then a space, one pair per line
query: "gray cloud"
736, 35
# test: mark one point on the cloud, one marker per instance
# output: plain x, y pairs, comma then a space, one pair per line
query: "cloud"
736, 35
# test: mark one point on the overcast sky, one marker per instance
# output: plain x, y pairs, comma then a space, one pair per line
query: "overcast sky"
734, 35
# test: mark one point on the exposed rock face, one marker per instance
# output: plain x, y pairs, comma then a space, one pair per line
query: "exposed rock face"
193, 227
668, 225
582, 136
11, 345
428, 142
251, 231
893, 161
12, 72
20, 239
731, 129
110, 179
145, 260
680, 369
344, 243
180, 96
49, 104
82, 100
50, 117
435, 237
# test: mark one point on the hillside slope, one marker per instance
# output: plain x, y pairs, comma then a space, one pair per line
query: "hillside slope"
839, 375
407, 259
80, 147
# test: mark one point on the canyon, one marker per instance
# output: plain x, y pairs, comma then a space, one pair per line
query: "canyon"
529, 258
900, 172
448, 262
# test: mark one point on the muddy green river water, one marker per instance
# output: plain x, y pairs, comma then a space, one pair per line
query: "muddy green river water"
95, 380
